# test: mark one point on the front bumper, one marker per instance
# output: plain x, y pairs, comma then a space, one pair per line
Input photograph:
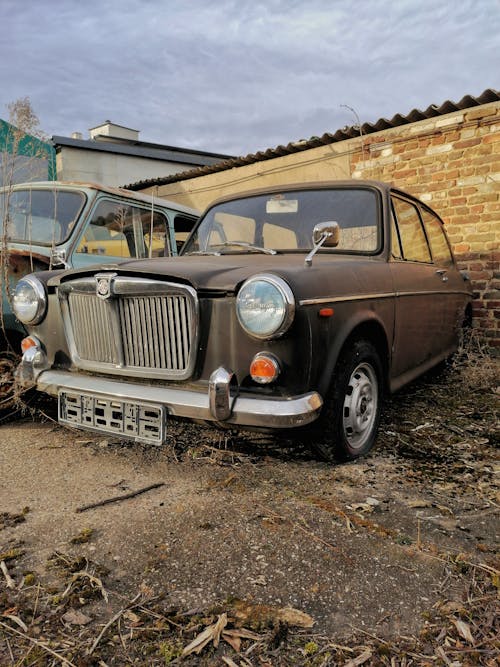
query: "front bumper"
219, 403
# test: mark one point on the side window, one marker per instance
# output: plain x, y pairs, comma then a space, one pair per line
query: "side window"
440, 250
411, 232
120, 230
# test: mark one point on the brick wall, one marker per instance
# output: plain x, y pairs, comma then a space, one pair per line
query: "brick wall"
453, 163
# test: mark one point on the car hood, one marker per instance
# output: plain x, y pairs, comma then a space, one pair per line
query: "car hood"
328, 273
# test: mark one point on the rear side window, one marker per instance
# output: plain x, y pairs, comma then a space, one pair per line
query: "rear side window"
411, 233
435, 233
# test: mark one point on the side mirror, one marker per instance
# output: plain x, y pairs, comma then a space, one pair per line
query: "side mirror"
328, 232
325, 235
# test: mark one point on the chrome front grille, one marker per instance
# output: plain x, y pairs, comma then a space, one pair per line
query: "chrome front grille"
141, 327
158, 331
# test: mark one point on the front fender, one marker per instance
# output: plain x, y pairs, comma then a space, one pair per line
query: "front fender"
373, 322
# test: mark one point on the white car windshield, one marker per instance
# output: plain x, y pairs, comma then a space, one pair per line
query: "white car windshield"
44, 217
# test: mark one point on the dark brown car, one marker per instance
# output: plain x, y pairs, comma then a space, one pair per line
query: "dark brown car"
289, 308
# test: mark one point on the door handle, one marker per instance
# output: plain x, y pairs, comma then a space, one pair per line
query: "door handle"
442, 274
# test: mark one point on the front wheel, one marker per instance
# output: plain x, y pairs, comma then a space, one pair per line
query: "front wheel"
351, 415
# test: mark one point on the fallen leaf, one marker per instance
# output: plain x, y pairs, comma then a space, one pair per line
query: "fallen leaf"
295, 617
360, 660
463, 630
210, 634
133, 618
418, 503
233, 641
451, 607
16, 620
75, 617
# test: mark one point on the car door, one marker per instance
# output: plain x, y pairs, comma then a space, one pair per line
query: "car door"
422, 292
455, 295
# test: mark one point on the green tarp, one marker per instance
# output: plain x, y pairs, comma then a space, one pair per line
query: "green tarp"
24, 157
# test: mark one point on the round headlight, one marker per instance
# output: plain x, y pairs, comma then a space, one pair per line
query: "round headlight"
30, 300
265, 306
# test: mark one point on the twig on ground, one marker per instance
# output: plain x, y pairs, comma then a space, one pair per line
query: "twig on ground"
60, 657
115, 618
117, 499
10, 581
294, 524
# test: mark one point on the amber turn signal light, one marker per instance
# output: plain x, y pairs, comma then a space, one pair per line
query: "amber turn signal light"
264, 368
28, 342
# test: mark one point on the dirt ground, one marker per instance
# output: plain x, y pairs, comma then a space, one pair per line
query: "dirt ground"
246, 551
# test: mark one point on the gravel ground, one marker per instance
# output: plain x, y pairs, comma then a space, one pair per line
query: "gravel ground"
325, 563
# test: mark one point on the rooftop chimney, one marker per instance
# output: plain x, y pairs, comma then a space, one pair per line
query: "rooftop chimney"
109, 130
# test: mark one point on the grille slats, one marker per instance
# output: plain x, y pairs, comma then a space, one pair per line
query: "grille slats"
90, 314
153, 333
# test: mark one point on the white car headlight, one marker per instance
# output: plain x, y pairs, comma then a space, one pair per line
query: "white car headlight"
265, 306
30, 300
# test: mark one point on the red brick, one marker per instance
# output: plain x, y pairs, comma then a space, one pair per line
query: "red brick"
492, 138
467, 143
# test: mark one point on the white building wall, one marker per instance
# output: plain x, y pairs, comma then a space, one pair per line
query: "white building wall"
109, 168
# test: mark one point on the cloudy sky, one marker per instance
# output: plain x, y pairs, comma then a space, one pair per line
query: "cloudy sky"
237, 76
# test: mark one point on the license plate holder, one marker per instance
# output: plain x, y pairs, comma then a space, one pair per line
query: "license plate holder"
134, 420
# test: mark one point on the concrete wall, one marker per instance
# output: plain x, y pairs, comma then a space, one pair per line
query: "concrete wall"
450, 161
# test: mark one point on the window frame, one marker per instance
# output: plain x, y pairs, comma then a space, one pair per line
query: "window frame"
394, 218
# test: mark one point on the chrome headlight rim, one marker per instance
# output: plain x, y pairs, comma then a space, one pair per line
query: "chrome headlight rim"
287, 296
40, 294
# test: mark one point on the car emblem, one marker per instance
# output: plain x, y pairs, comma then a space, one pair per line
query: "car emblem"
104, 284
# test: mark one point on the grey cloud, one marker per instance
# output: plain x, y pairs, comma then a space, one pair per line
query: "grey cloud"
238, 76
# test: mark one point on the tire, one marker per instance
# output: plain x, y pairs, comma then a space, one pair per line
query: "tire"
351, 414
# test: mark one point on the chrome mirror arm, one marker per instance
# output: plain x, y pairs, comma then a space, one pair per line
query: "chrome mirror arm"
323, 238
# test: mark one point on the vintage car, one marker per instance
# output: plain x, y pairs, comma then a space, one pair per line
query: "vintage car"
58, 224
291, 308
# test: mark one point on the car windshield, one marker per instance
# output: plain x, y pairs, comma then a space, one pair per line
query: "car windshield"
284, 221
44, 217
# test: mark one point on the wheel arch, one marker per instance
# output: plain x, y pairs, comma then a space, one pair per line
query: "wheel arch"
370, 329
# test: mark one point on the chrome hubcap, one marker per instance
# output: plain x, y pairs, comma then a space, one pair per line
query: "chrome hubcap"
360, 405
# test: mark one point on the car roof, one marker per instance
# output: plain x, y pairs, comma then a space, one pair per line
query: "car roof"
121, 192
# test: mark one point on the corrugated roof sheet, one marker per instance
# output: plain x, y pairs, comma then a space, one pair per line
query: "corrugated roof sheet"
489, 95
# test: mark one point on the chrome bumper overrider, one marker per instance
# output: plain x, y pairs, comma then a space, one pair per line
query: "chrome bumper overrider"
215, 404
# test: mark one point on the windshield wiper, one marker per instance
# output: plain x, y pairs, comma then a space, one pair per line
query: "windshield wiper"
202, 252
247, 246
